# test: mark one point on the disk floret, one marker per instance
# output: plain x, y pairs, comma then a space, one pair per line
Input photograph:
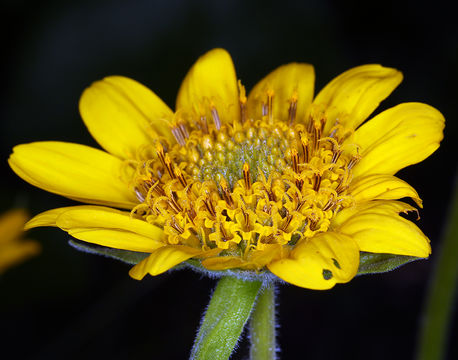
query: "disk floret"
245, 189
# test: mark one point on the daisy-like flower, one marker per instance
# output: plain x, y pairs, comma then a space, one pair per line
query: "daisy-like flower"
13, 250
277, 182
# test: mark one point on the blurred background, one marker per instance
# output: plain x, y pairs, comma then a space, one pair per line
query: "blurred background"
68, 304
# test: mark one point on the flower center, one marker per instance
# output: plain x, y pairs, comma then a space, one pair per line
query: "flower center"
245, 187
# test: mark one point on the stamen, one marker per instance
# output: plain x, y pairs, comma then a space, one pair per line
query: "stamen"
176, 226
287, 222
270, 95
226, 192
316, 135
292, 111
335, 155
223, 233
176, 131
160, 153
305, 147
174, 204
140, 196
242, 102
294, 159
184, 130
331, 202
168, 166
353, 161
203, 124
246, 176
216, 118
180, 176
209, 206
317, 184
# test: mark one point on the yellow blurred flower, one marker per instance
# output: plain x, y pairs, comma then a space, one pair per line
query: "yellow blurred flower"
277, 181
13, 250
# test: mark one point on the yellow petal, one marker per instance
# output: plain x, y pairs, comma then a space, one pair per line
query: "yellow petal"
382, 187
103, 226
376, 227
122, 115
12, 224
76, 171
211, 82
398, 137
163, 259
285, 82
319, 262
352, 96
223, 263
115, 238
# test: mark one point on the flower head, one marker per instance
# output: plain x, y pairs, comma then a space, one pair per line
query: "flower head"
274, 182
13, 250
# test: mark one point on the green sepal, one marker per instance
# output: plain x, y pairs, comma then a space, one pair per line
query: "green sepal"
371, 263
129, 257
225, 317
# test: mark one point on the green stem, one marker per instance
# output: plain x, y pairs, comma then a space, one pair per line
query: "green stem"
439, 305
262, 326
225, 318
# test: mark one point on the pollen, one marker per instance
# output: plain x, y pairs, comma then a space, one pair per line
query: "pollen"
247, 184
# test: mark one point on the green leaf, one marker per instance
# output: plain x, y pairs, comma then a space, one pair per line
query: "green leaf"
225, 318
130, 257
370, 263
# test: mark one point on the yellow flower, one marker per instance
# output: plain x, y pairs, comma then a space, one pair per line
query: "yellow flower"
277, 181
12, 250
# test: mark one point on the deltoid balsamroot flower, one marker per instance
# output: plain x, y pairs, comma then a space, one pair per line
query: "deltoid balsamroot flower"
14, 250
276, 182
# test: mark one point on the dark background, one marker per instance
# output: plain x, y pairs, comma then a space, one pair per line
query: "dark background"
65, 304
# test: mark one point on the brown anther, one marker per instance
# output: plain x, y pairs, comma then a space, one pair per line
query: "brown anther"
223, 233
270, 95
292, 111
316, 135
330, 203
335, 155
323, 122
300, 205
178, 137
160, 152
264, 109
174, 204
179, 175
203, 124
226, 192
317, 184
295, 160
305, 148
246, 176
242, 102
158, 188
287, 222
184, 130
168, 166
269, 239
246, 217
140, 196
176, 226
216, 118
353, 161
299, 183
313, 223
341, 186
209, 205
